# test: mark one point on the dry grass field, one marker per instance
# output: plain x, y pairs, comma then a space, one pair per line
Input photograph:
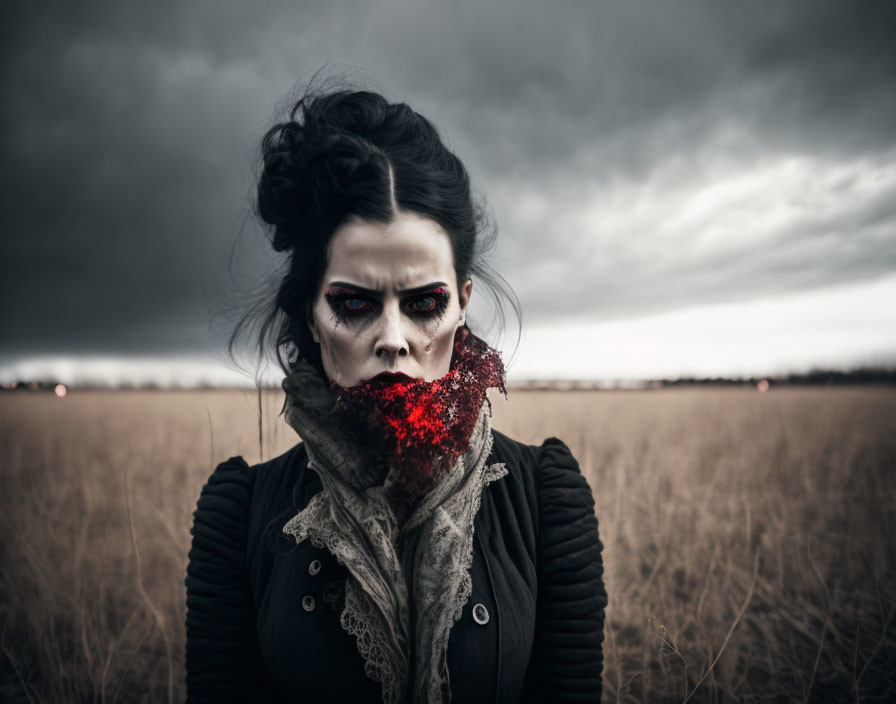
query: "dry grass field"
750, 539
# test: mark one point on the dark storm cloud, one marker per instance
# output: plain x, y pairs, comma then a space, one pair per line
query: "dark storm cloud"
129, 135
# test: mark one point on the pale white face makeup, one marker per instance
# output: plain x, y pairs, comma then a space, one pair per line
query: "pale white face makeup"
389, 301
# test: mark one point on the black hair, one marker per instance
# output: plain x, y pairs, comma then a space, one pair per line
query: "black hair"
348, 153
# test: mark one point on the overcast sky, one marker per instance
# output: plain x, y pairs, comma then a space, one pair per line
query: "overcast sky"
680, 187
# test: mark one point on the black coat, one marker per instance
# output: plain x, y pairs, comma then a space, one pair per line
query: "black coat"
263, 612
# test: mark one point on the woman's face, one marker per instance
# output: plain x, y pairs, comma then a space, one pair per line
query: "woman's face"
389, 301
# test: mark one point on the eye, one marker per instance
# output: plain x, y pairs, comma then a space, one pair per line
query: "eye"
427, 304
348, 304
355, 305
431, 303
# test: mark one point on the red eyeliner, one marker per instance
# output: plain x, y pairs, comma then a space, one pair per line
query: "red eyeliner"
337, 291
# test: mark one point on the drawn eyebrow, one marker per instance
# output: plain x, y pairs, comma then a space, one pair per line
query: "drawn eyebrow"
373, 292
423, 289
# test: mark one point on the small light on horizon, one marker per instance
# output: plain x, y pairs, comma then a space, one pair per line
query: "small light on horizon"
762, 386
60, 390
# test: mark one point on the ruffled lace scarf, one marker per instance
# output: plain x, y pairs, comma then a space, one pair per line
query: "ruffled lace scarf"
408, 572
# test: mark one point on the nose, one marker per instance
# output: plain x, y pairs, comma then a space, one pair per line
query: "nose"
391, 340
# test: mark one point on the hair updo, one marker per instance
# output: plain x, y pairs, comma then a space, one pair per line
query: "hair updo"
349, 153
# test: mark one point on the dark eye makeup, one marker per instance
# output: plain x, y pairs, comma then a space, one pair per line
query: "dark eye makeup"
351, 304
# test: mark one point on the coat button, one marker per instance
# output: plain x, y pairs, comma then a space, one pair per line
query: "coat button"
480, 614
314, 567
308, 603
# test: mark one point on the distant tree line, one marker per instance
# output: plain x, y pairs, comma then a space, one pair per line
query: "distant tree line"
816, 377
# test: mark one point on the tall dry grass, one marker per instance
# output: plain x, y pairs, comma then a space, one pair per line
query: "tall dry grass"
749, 539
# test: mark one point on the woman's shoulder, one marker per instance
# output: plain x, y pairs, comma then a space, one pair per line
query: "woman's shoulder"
237, 471
226, 492
545, 477
278, 476
550, 463
236, 489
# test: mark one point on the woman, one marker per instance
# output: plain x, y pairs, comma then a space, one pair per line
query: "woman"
403, 551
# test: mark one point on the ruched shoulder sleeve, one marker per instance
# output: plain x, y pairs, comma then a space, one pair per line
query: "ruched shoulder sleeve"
566, 664
221, 650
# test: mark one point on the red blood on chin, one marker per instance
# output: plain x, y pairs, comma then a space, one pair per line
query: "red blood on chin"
422, 427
